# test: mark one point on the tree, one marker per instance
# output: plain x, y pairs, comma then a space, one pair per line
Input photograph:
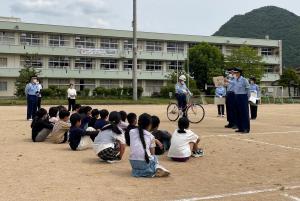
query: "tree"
289, 78
205, 61
248, 60
24, 77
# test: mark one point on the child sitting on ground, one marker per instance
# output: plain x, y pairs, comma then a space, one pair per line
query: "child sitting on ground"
60, 130
86, 116
110, 144
163, 138
53, 111
184, 143
95, 117
41, 127
80, 139
132, 120
123, 124
142, 143
100, 123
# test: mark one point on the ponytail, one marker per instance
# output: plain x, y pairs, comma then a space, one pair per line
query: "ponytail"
141, 133
114, 120
144, 122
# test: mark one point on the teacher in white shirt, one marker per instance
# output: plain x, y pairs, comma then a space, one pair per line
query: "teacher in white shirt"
71, 97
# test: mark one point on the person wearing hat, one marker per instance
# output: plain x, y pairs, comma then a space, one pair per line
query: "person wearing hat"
230, 99
254, 90
31, 92
181, 91
242, 92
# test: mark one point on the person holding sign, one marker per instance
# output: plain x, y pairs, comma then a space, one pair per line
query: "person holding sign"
220, 100
71, 97
254, 91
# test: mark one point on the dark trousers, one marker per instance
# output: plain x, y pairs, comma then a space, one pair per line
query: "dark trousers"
253, 111
221, 109
39, 102
181, 99
242, 112
71, 105
231, 109
31, 106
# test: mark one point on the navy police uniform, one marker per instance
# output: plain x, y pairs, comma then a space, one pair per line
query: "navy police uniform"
242, 92
230, 104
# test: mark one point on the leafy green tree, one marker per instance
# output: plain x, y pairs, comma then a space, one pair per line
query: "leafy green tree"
205, 61
289, 78
248, 60
24, 77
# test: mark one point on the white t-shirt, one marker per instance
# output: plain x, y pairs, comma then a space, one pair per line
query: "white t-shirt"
180, 147
72, 93
137, 151
106, 139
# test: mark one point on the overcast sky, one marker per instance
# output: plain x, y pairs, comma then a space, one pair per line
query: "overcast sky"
197, 17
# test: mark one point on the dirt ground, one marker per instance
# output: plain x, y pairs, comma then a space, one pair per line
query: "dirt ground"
262, 166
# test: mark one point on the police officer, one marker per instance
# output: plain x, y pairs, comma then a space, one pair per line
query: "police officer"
230, 100
241, 90
31, 92
254, 89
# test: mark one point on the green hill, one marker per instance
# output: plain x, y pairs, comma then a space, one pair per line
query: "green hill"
278, 23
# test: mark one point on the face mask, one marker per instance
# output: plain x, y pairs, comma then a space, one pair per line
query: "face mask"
182, 82
235, 76
34, 81
230, 76
252, 82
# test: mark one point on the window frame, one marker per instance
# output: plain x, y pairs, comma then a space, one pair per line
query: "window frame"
154, 66
85, 63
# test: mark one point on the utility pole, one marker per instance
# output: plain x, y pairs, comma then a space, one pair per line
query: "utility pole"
134, 54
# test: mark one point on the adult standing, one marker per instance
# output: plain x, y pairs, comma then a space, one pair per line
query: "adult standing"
31, 91
39, 94
71, 97
230, 100
220, 100
241, 90
254, 90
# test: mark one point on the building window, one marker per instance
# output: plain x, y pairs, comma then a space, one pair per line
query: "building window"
7, 38
172, 65
128, 83
173, 47
109, 43
3, 86
153, 66
3, 62
84, 63
191, 45
59, 41
266, 51
59, 62
84, 84
128, 45
153, 46
127, 65
85, 42
60, 83
110, 84
153, 86
109, 64
31, 39
31, 61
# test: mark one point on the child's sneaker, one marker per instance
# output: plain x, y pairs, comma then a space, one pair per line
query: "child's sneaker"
114, 161
198, 153
161, 172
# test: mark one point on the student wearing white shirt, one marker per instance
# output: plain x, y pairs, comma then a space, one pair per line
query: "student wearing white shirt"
142, 143
39, 94
71, 97
184, 143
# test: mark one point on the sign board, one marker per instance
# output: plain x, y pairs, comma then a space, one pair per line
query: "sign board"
97, 52
218, 81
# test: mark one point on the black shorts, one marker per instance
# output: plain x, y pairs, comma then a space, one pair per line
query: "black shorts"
110, 154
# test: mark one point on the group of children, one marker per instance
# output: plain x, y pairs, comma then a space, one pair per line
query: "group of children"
109, 133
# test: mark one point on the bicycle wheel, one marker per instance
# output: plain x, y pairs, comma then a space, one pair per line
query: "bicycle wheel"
173, 112
195, 113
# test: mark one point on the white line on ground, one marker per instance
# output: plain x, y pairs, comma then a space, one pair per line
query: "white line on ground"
239, 193
291, 197
266, 143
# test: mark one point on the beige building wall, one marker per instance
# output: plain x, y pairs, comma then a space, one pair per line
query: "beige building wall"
10, 87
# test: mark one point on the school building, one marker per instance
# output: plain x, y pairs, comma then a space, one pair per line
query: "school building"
94, 57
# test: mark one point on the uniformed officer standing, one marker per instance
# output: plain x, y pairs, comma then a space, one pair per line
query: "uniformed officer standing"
254, 88
241, 90
230, 100
31, 92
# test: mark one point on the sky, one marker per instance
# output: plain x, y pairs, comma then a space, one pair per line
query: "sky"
194, 17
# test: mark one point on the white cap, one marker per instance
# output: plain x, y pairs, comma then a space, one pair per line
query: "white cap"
182, 77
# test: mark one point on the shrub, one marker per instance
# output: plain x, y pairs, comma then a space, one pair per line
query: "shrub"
164, 91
